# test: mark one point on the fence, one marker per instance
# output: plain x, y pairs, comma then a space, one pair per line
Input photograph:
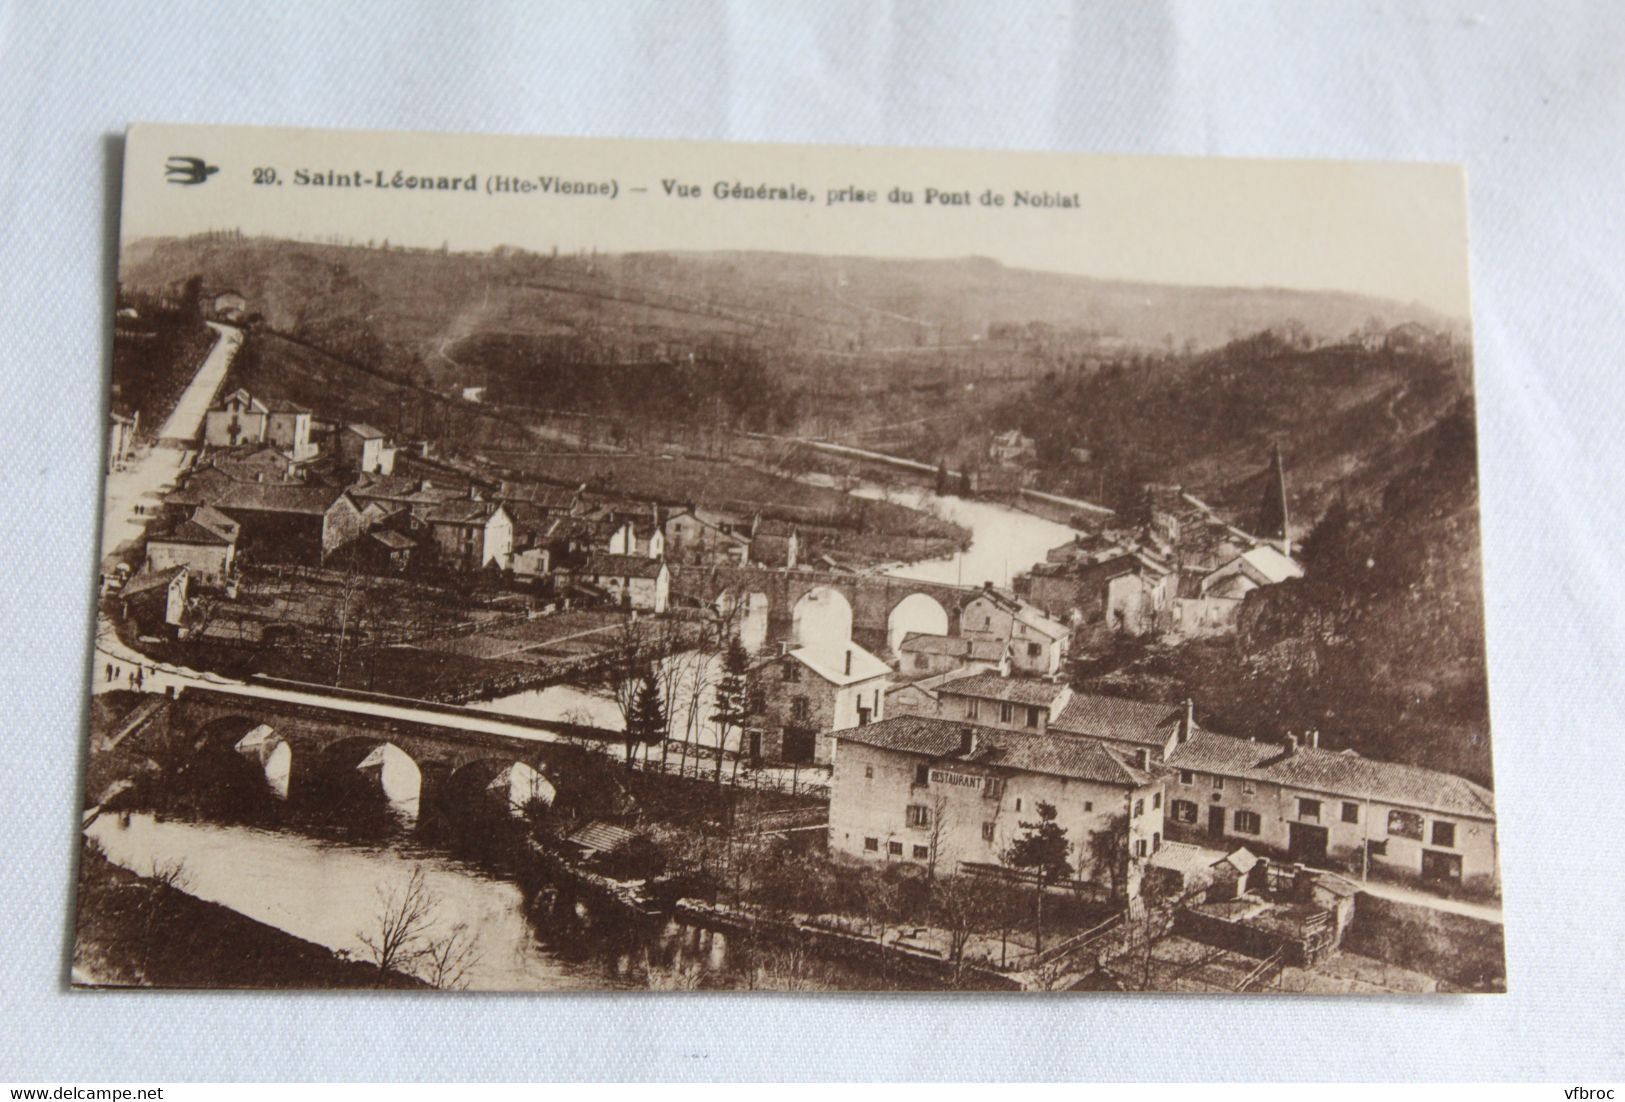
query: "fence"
1079, 944
687, 759
1268, 971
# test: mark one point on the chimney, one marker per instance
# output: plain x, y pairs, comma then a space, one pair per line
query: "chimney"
849, 662
1188, 724
784, 648
967, 741
473, 492
259, 476
425, 486
1142, 759
1291, 744
1312, 739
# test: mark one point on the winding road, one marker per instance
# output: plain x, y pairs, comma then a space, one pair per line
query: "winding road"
135, 491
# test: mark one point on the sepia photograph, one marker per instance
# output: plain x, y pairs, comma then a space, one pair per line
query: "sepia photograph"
565, 564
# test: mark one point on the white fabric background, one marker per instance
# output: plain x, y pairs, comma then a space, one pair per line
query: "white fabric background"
1530, 96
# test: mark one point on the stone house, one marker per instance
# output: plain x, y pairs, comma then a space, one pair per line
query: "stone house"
470, 534
1320, 806
240, 418
287, 425
631, 581
156, 599
205, 543
365, 449
705, 536
278, 521
1003, 701
807, 694
121, 437
1208, 603
947, 794
924, 655
644, 538
1038, 643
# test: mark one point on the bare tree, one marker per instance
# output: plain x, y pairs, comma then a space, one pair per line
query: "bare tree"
405, 937
939, 822
1149, 924
1107, 857
162, 882
623, 667
965, 906
447, 961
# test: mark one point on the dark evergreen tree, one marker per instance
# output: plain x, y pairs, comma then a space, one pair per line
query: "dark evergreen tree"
1042, 850
646, 723
733, 695
1272, 514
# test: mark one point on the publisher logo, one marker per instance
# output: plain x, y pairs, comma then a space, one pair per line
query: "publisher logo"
188, 170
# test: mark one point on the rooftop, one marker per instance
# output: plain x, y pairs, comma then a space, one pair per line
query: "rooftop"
462, 511
284, 405
190, 531
364, 430
147, 580
1271, 564
217, 521
832, 663
1111, 717
1027, 752
392, 539
604, 565
952, 646
259, 497
1336, 772
1017, 690
538, 494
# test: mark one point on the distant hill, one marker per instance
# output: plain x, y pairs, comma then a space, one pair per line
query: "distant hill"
922, 357
421, 298
1348, 417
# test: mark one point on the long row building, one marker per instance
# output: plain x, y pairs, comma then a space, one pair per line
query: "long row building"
955, 786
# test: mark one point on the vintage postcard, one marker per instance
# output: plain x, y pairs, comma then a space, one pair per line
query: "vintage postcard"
538, 564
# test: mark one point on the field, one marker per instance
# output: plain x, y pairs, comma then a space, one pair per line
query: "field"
557, 635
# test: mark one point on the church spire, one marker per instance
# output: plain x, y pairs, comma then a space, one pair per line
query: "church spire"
1272, 514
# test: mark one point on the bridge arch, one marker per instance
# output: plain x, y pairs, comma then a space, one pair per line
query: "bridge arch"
746, 613
821, 617
362, 769
919, 612
226, 773
498, 782
272, 752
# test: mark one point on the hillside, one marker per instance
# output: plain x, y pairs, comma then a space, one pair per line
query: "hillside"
1348, 419
1380, 645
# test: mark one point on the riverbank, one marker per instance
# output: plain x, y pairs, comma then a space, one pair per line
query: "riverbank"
146, 931
902, 966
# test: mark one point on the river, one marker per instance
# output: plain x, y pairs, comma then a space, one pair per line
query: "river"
1004, 541
327, 891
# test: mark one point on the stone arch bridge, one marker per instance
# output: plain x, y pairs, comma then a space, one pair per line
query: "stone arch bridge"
455, 750
872, 598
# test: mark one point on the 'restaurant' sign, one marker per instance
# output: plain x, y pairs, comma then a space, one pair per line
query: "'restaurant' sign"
958, 780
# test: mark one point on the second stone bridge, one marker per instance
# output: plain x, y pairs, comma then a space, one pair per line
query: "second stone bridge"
876, 609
